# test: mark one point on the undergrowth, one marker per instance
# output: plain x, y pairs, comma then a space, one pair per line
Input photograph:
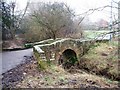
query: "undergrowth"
102, 59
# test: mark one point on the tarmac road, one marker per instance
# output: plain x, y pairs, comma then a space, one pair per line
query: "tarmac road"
10, 59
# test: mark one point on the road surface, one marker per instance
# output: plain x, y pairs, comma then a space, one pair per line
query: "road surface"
10, 59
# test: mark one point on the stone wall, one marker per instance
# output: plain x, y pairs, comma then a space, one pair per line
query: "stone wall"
53, 51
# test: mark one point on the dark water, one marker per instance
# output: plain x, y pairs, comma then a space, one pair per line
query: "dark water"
12, 58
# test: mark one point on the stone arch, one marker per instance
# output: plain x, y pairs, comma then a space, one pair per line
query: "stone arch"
68, 55
76, 50
66, 45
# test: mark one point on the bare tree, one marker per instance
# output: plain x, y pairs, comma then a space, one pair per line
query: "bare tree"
53, 18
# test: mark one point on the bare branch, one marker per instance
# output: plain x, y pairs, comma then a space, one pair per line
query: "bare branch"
25, 10
114, 1
81, 20
90, 11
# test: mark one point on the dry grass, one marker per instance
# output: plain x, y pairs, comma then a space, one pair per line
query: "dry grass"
102, 59
57, 77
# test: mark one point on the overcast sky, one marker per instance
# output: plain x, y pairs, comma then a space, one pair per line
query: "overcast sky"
80, 6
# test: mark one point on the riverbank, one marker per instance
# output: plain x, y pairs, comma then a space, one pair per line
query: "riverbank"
14, 44
28, 75
102, 59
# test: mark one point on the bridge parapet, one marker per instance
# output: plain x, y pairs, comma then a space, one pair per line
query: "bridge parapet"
53, 51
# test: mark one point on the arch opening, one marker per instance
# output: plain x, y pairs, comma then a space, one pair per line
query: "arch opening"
68, 58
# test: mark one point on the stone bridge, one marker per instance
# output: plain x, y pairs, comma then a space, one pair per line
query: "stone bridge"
56, 50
